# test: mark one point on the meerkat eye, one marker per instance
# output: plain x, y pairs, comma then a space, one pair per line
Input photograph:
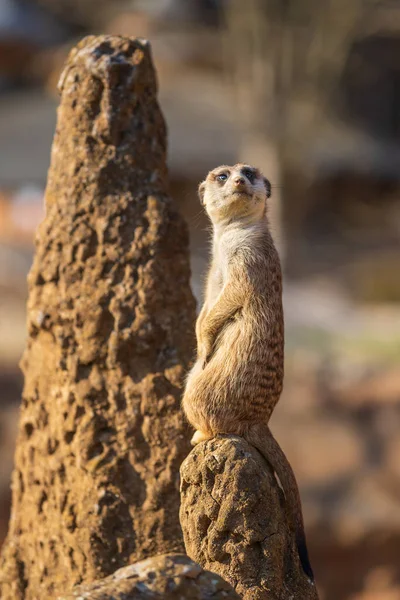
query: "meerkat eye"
249, 174
222, 177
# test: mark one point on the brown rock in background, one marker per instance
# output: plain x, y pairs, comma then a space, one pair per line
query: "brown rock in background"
234, 523
110, 321
167, 577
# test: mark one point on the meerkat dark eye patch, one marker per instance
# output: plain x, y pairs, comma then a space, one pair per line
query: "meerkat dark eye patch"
250, 174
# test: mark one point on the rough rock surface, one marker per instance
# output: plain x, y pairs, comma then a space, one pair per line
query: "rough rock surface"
234, 523
110, 322
166, 577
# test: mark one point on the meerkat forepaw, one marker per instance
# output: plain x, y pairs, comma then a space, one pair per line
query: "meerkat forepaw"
204, 353
202, 360
198, 437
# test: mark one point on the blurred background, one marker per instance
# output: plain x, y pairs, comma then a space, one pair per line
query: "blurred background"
309, 91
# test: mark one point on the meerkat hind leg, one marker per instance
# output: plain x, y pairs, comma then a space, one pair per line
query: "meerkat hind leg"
199, 436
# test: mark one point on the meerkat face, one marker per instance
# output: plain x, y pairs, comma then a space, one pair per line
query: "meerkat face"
237, 191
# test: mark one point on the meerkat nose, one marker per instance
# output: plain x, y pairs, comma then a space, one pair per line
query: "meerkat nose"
239, 181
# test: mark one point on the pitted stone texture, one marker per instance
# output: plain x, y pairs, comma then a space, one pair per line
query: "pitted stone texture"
168, 577
234, 523
110, 321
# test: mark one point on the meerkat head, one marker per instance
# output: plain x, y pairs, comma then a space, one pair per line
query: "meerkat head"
238, 191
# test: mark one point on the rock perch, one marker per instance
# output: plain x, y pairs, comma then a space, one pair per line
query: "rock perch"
234, 522
110, 322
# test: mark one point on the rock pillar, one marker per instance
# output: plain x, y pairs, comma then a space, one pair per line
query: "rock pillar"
110, 325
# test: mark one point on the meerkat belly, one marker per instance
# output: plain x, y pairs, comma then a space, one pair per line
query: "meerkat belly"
233, 391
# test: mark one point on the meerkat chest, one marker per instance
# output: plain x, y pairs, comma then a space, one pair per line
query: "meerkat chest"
221, 262
228, 245
215, 283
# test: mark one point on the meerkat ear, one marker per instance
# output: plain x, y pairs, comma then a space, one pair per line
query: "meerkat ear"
267, 187
201, 190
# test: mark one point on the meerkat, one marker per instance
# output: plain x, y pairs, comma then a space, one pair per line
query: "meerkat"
237, 378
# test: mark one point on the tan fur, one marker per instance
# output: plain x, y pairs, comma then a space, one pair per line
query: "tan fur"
237, 379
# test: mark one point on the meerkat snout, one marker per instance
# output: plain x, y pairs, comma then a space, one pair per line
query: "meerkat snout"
239, 181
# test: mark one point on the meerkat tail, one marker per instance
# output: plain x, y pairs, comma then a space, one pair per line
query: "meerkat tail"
261, 438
